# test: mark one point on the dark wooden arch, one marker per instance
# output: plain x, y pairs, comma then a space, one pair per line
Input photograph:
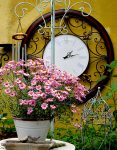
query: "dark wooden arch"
91, 21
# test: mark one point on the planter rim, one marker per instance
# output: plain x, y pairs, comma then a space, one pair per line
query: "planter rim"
16, 118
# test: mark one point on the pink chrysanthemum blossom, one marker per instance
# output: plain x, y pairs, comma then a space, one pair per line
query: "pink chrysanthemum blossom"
7, 91
30, 93
18, 81
23, 102
53, 107
38, 87
44, 106
22, 85
29, 110
32, 102
13, 93
6, 84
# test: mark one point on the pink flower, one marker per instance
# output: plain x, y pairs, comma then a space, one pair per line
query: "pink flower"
20, 63
74, 110
13, 93
18, 80
6, 84
47, 89
33, 82
1, 71
30, 93
38, 87
37, 77
23, 102
32, 102
7, 91
35, 96
30, 87
49, 100
30, 110
52, 106
22, 85
19, 72
26, 74
77, 125
61, 97
44, 106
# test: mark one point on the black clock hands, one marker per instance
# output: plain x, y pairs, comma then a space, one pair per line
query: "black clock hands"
69, 54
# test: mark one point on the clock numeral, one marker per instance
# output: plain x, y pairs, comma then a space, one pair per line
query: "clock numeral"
80, 65
66, 39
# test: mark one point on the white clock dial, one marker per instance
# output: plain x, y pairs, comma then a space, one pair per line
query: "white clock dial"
71, 54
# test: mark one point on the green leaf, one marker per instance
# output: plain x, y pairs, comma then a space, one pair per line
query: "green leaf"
9, 121
112, 65
102, 78
108, 95
114, 75
114, 87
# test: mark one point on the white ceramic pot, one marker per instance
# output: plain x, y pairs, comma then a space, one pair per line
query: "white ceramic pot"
34, 129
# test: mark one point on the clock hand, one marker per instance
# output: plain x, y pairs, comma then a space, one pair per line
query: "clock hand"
73, 55
69, 55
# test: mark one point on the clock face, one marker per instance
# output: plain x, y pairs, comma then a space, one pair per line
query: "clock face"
71, 54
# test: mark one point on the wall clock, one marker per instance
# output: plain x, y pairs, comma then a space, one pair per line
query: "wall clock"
83, 50
71, 54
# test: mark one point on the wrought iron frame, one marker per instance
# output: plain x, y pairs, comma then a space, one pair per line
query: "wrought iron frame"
4, 55
85, 37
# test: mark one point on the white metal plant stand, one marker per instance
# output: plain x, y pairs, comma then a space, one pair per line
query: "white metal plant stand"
40, 6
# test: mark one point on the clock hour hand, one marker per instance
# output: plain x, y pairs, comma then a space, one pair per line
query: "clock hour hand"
69, 54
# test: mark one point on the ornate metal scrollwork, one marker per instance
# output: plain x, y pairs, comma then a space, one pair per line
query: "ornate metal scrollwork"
4, 53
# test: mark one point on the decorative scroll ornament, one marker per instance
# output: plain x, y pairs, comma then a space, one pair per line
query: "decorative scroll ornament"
40, 6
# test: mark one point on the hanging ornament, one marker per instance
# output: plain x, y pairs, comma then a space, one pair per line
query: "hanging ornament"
18, 52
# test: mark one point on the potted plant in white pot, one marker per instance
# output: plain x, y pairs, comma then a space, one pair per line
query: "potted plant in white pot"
34, 91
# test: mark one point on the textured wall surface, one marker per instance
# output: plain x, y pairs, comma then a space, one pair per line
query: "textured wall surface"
105, 11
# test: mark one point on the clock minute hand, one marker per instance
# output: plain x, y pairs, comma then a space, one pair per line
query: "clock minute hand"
68, 55
73, 55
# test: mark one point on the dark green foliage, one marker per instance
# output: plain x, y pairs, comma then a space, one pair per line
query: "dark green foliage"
115, 115
91, 140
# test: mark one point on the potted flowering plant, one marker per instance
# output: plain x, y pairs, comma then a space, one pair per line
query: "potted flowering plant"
34, 90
